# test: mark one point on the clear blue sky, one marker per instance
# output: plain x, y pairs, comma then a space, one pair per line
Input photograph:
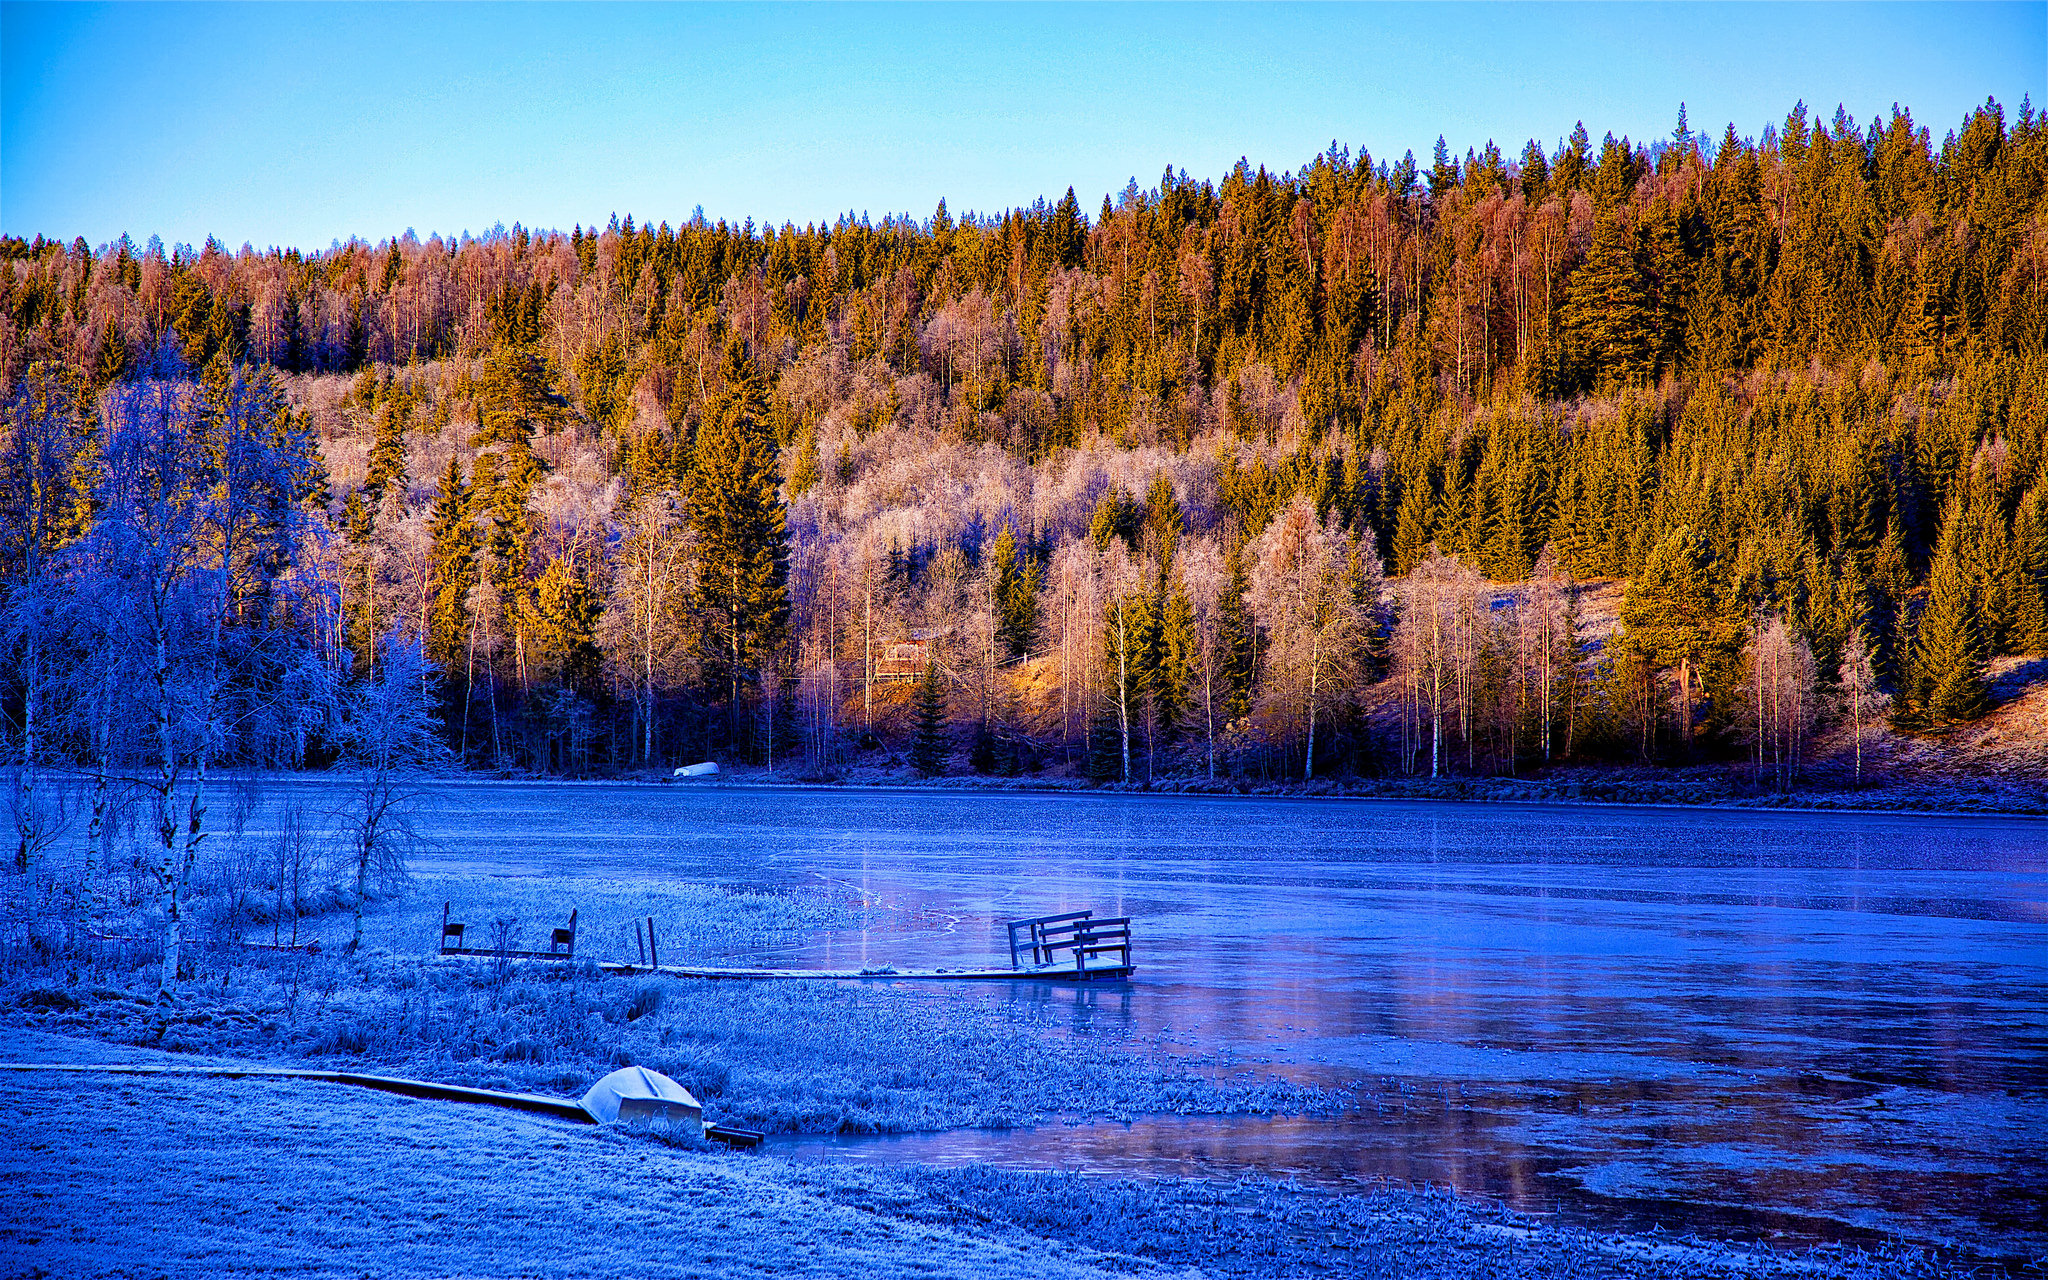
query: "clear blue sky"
301, 123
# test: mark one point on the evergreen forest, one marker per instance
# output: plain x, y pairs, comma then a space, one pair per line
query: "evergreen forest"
1287, 474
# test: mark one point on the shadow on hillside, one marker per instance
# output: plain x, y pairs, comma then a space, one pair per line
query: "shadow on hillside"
2014, 682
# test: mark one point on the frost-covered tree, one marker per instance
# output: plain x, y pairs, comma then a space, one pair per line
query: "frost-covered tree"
645, 630
198, 499
1781, 704
390, 741
1314, 590
40, 511
1862, 701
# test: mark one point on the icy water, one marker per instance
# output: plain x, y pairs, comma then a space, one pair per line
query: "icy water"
1766, 1025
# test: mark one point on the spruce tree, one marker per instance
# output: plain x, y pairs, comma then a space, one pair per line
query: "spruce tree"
1945, 686
2030, 545
736, 508
452, 572
1412, 525
1608, 311
513, 400
1018, 577
1116, 516
928, 741
1163, 522
1675, 615
1174, 675
562, 624
1239, 638
387, 454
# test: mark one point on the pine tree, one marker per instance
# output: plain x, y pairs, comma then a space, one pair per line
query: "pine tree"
1945, 681
1174, 675
1239, 639
928, 742
743, 546
1675, 615
1018, 577
453, 570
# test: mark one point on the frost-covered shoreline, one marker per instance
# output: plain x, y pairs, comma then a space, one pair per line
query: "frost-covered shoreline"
1646, 788
295, 1178
785, 1057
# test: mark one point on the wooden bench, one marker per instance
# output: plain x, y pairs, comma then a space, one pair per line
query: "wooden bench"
454, 941
1042, 936
1102, 938
1078, 935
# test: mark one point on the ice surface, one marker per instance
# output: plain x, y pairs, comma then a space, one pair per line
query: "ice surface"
1829, 1023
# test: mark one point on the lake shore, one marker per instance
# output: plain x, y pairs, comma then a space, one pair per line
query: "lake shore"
854, 1059
1706, 789
259, 1172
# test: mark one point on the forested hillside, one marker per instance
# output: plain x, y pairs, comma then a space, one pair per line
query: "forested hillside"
1289, 473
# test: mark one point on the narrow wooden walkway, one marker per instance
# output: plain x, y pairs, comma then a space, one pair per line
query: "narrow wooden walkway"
560, 1108
1046, 973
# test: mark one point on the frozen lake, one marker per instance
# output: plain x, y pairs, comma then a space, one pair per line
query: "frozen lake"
1809, 1026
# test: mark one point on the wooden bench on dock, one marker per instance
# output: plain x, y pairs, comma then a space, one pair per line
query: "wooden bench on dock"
454, 941
1079, 937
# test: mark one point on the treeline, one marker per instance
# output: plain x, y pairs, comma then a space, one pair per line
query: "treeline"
1226, 477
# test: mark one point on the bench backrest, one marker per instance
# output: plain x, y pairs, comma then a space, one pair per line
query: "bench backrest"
565, 938
561, 942
1041, 933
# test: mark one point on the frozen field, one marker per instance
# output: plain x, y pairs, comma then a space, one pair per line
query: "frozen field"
1768, 1025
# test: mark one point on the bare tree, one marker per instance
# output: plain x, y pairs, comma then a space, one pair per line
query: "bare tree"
389, 743
1200, 567
1860, 697
1781, 707
644, 629
294, 864
1313, 588
1443, 607
1551, 613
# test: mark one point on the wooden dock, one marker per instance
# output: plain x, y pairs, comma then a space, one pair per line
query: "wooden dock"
1074, 947
1045, 973
560, 1108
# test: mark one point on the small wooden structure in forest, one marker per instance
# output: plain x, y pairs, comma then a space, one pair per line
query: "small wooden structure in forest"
1085, 941
903, 660
455, 941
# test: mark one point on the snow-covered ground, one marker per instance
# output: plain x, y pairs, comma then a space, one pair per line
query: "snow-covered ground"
125, 1176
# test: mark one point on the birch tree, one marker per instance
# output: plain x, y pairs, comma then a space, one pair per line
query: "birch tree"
645, 630
200, 498
1314, 588
1862, 701
1781, 706
1440, 608
39, 511
389, 740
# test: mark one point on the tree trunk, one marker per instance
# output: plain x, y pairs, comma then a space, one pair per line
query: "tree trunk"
28, 819
1308, 764
1123, 686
